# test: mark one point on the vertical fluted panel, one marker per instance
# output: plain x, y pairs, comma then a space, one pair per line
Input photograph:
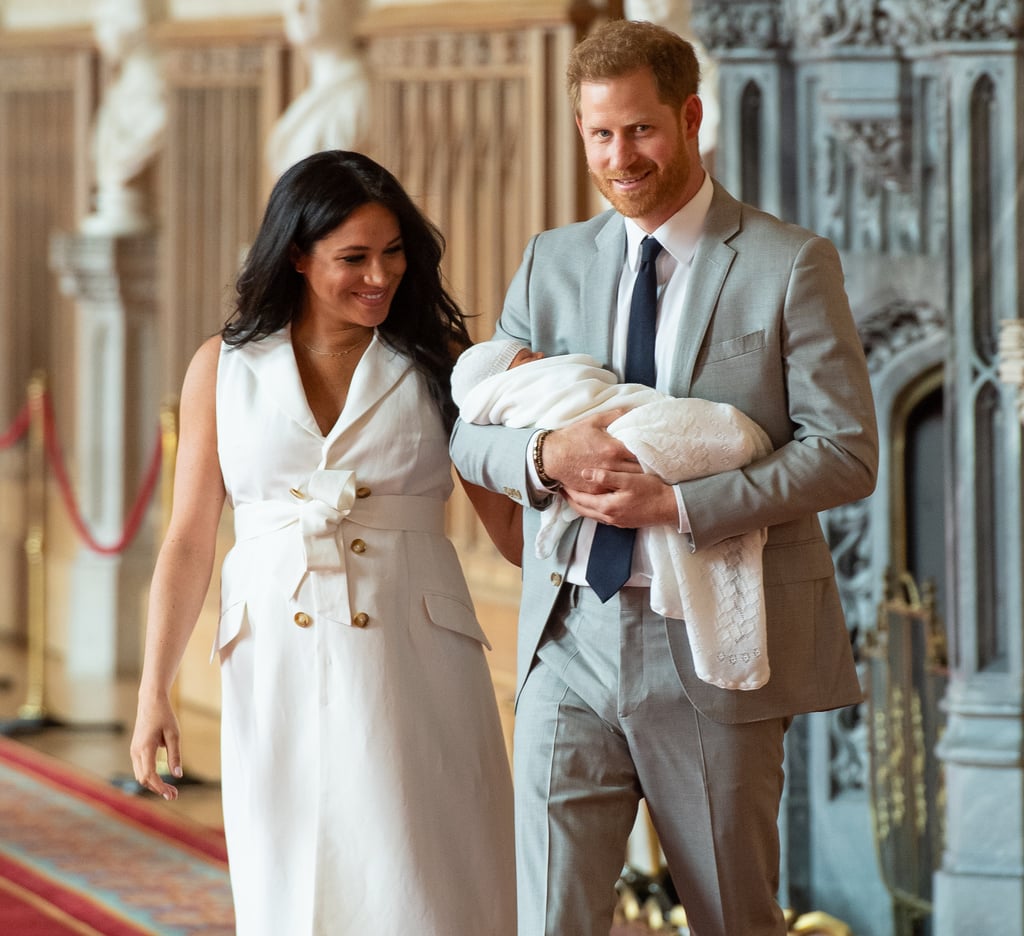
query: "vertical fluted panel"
41, 154
475, 125
211, 190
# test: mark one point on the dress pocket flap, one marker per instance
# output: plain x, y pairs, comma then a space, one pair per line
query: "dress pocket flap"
228, 627
454, 615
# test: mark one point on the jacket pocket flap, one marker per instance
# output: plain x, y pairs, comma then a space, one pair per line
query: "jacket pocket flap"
797, 562
228, 627
454, 615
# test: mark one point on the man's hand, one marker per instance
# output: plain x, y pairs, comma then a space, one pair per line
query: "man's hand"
579, 455
629, 500
602, 479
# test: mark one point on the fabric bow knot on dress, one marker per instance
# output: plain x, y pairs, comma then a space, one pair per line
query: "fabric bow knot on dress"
327, 500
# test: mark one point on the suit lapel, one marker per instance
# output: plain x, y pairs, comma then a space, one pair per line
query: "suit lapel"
711, 263
601, 289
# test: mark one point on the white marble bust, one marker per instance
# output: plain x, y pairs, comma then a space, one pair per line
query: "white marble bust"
132, 115
332, 112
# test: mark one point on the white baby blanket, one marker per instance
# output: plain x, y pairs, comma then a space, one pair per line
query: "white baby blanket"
718, 591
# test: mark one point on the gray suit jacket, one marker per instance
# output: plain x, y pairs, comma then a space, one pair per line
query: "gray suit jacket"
767, 327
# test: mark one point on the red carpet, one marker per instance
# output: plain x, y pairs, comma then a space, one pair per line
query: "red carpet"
78, 856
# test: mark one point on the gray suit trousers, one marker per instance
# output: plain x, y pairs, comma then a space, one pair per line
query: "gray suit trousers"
603, 720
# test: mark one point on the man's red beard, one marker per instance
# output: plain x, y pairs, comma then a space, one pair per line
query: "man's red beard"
659, 188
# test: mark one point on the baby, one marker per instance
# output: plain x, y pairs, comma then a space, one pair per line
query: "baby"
719, 591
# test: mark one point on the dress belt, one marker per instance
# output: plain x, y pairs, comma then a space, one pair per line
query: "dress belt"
328, 498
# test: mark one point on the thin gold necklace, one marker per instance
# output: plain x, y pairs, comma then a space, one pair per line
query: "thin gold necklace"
333, 353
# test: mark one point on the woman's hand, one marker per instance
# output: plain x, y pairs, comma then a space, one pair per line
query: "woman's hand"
156, 726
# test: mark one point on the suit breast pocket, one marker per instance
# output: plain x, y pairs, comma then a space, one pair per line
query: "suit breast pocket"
732, 347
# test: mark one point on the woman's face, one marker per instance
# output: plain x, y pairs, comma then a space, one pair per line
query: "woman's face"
353, 272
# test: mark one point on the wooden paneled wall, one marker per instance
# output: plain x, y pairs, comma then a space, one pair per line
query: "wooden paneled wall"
471, 115
47, 95
226, 83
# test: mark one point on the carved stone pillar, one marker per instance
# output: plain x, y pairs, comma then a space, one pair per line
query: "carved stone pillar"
980, 885
754, 97
113, 280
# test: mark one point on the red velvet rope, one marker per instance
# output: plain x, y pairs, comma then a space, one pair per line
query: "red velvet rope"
135, 515
17, 429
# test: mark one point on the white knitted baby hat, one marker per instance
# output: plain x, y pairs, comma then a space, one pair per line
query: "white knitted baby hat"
481, 361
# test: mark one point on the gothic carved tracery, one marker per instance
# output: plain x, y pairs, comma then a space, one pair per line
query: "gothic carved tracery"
923, 21
749, 24
811, 24
831, 23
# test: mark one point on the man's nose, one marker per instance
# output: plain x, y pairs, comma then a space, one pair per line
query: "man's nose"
621, 153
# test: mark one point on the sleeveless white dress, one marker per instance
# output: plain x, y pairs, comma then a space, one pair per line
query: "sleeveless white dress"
365, 782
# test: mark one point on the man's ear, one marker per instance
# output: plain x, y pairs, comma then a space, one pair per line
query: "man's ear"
693, 115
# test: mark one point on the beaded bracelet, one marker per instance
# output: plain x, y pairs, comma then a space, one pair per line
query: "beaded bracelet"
538, 461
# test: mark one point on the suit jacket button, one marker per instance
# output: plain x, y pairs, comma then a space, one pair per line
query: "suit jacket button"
358, 546
361, 619
363, 491
303, 619
556, 579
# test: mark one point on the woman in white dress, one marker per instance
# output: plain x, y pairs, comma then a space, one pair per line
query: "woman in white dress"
365, 782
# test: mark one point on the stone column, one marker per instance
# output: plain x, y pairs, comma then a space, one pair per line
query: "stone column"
749, 85
109, 267
980, 885
113, 280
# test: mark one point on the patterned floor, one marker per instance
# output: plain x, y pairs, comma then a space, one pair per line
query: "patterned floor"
78, 856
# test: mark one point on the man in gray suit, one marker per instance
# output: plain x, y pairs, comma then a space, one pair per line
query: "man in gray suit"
750, 312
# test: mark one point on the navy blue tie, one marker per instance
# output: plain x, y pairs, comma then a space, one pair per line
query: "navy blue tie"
611, 555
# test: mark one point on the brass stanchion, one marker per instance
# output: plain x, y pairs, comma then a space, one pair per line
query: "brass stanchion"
17, 429
34, 708
33, 714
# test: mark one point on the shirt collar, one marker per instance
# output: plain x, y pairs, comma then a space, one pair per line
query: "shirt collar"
680, 233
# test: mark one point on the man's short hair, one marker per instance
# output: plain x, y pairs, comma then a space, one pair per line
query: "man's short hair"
620, 47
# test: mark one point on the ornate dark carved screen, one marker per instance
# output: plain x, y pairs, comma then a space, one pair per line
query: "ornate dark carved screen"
907, 677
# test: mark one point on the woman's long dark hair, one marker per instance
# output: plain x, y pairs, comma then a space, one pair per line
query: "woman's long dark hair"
309, 201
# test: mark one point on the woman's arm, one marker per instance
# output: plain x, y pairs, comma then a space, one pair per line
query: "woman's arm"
502, 517
183, 569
